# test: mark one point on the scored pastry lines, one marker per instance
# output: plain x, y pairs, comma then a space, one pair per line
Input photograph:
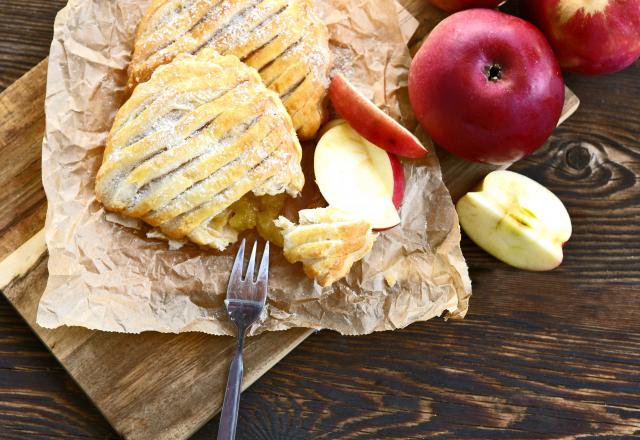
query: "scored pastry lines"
282, 39
134, 140
213, 140
185, 223
199, 193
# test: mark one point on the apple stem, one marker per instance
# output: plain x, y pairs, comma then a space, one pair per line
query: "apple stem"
493, 72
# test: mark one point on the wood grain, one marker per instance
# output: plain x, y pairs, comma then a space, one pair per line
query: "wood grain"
22, 123
26, 28
152, 385
497, 374
540, 355
38, 398
550, 355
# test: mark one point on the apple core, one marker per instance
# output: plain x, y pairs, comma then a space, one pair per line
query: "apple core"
494, 72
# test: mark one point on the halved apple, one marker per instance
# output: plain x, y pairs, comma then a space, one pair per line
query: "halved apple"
355, 175
516, 220
371, 122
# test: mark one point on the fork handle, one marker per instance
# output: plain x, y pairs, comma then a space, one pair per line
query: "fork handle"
231, 403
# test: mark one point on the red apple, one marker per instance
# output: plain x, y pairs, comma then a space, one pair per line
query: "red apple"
486, 86
358, 177
372, 123
590, 36
459, 5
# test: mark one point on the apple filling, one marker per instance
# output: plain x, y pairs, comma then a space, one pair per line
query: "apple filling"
257, 212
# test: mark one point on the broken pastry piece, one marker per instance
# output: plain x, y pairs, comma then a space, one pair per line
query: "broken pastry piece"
283, 39
202, 133
327, 241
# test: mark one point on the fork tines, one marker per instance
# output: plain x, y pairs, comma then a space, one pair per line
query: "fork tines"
245, 288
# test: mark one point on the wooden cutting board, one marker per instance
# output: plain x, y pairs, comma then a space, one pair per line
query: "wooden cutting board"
149, 386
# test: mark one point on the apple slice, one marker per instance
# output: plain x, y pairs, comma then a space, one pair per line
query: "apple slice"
358, 177
329, 125
398, 171
371, 122
516, 220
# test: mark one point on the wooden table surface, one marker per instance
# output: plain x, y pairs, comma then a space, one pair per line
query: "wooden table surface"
540, 355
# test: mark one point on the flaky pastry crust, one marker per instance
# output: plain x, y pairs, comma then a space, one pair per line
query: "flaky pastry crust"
327, 241
283, 39
200, 134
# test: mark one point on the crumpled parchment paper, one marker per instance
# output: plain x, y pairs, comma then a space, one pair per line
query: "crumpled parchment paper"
106, 276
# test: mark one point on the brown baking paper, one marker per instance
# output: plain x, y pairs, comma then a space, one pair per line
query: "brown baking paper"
106, 276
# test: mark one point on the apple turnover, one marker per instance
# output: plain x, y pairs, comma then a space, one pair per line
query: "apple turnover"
327, 241
202, 133
283, 39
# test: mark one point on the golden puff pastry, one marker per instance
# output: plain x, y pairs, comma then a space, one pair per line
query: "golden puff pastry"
283, 39
199, 135
327, 241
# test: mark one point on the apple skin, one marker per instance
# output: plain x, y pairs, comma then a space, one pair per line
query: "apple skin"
372, 123
517, 220
605, 38
459, 5
497, 120
398, 180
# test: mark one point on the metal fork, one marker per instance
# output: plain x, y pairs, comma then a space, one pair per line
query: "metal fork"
245, 301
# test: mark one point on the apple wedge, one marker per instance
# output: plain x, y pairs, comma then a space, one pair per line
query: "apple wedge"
329, 125
398, 171
358, 177
371, 122
516, 220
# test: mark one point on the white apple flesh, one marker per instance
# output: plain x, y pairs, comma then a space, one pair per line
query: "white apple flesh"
329, 125
356, 176
517, 220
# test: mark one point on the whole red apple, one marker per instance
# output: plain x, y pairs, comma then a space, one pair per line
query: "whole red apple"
459, 5
486, 86
590, 36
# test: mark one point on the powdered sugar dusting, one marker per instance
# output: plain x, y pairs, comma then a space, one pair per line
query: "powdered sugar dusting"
206, 171
235, 27
244, 27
